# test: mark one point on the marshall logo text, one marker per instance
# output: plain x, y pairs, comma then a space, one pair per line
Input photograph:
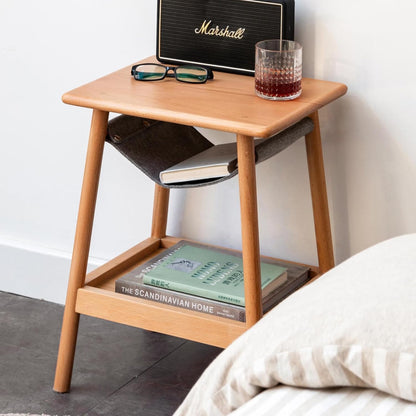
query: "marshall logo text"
207, 29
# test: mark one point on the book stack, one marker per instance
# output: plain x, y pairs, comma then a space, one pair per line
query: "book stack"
208, 280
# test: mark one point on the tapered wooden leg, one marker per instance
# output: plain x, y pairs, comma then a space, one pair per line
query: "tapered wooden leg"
319, 197
160, 211
249, 228
81, 250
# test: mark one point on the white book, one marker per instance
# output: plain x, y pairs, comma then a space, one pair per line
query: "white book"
215, 162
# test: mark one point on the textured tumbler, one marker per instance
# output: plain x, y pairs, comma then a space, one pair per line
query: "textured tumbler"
278, 72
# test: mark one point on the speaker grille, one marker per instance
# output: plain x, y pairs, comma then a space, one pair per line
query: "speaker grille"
219, 33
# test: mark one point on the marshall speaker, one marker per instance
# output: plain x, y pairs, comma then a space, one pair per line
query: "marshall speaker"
220, 34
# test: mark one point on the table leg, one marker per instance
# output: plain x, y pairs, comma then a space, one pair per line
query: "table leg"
319, 197
249, 228
160, 211
81, 250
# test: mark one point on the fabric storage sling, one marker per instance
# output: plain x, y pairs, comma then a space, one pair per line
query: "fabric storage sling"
220, 34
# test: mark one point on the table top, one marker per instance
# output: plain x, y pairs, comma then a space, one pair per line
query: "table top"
228, 102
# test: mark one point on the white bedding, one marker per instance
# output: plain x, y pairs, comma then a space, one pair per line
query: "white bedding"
355, 326
342, 401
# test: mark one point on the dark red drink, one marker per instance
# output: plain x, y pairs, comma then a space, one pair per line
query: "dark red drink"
270, 87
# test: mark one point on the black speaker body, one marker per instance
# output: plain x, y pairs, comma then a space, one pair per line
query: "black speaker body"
220, 34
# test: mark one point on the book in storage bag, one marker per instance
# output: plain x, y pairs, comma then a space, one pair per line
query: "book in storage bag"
220, 34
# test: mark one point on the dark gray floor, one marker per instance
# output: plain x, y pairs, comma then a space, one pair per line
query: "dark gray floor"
118, 370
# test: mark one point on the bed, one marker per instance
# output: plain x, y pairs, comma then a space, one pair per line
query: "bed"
343, 345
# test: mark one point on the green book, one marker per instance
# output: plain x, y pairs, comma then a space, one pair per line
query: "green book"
209, 273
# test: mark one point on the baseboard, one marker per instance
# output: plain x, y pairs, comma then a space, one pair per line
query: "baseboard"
36, 272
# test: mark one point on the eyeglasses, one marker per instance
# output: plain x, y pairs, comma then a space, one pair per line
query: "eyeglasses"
185, 73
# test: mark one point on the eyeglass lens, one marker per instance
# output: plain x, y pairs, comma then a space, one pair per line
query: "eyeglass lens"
191, 74
185, 73
149, 72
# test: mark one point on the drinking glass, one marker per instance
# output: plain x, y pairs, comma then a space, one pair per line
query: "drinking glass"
278, 71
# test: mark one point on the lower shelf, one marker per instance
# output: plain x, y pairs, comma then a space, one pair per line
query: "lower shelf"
99, 299
148, 315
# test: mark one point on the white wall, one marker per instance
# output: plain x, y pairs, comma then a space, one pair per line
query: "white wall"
48, 47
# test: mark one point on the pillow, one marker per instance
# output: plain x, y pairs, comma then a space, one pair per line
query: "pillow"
354, 326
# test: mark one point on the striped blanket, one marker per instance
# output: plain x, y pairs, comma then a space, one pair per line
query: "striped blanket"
353, 327
342, 401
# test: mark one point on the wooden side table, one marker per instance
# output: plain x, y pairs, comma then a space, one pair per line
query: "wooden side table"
227, 103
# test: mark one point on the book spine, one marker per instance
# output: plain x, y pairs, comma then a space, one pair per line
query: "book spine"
182, 300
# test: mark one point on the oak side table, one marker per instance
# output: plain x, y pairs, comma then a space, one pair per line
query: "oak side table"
227, 103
